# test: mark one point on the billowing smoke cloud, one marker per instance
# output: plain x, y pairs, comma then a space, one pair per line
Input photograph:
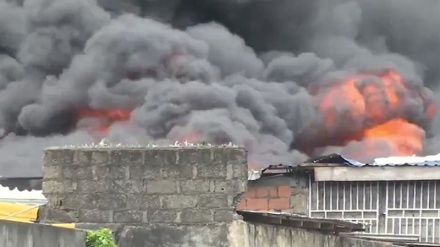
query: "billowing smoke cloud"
256, 80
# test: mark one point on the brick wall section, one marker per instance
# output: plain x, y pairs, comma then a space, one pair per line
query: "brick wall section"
288, 193
160, 187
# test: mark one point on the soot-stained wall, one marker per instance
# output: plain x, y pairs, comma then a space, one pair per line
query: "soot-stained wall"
167, 196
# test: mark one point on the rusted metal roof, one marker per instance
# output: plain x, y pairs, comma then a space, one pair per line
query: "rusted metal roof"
301, 221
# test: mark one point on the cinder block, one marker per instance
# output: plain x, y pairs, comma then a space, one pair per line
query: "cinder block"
194, 186
180, 172
162, 216
109, 172
138, 201
196, 216
223, 215
78, 172
95, 216
161, 187
100, 157
212, 200
52, 172
50, 214
160, 157
57, 156
127, 157
211, 171
194, 156
228, 186
178, 201
52, 186
127, 216
82, 157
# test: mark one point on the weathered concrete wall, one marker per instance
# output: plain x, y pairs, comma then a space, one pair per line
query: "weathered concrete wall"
173, 195
244, 234
15, 234
287, 193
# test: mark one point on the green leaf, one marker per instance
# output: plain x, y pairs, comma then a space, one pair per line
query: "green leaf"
100, 238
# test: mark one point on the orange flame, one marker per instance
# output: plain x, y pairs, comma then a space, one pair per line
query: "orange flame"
105, 117
379, 105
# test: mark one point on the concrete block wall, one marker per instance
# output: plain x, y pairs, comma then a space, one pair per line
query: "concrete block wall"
174, 191
287, 193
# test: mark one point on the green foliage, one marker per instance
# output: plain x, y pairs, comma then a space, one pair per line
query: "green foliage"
100, 238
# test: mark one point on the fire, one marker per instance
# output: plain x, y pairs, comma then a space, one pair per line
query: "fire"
375, 103
105, 117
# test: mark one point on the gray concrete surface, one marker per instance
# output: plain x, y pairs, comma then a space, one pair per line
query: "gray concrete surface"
15, 234
244, 234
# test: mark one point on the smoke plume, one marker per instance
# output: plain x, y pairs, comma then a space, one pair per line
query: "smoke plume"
285, 79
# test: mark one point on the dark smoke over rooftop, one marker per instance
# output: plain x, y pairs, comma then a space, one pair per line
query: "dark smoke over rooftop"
252, 73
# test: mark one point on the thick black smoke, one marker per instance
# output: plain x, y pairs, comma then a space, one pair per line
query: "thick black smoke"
245, 80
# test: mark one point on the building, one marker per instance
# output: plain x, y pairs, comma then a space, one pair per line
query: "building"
392, 196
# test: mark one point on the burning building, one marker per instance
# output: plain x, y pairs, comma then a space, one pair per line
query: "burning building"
285, 79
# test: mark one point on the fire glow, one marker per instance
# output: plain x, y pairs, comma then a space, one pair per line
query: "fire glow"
105, 117
374, 102
378, 102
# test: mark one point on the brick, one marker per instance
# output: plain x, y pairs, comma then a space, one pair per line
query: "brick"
128, 216
251, 192
126, 157
279, 203
223, 215
196, 216
242, 205
142, 202
273, 192
284, 191
194, 186
178, 201
213, 201
95, 216
99, 157
162, 216
257, 204
262, 192
161, 187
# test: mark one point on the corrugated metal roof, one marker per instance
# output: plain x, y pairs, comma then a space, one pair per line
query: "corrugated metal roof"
430, 160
